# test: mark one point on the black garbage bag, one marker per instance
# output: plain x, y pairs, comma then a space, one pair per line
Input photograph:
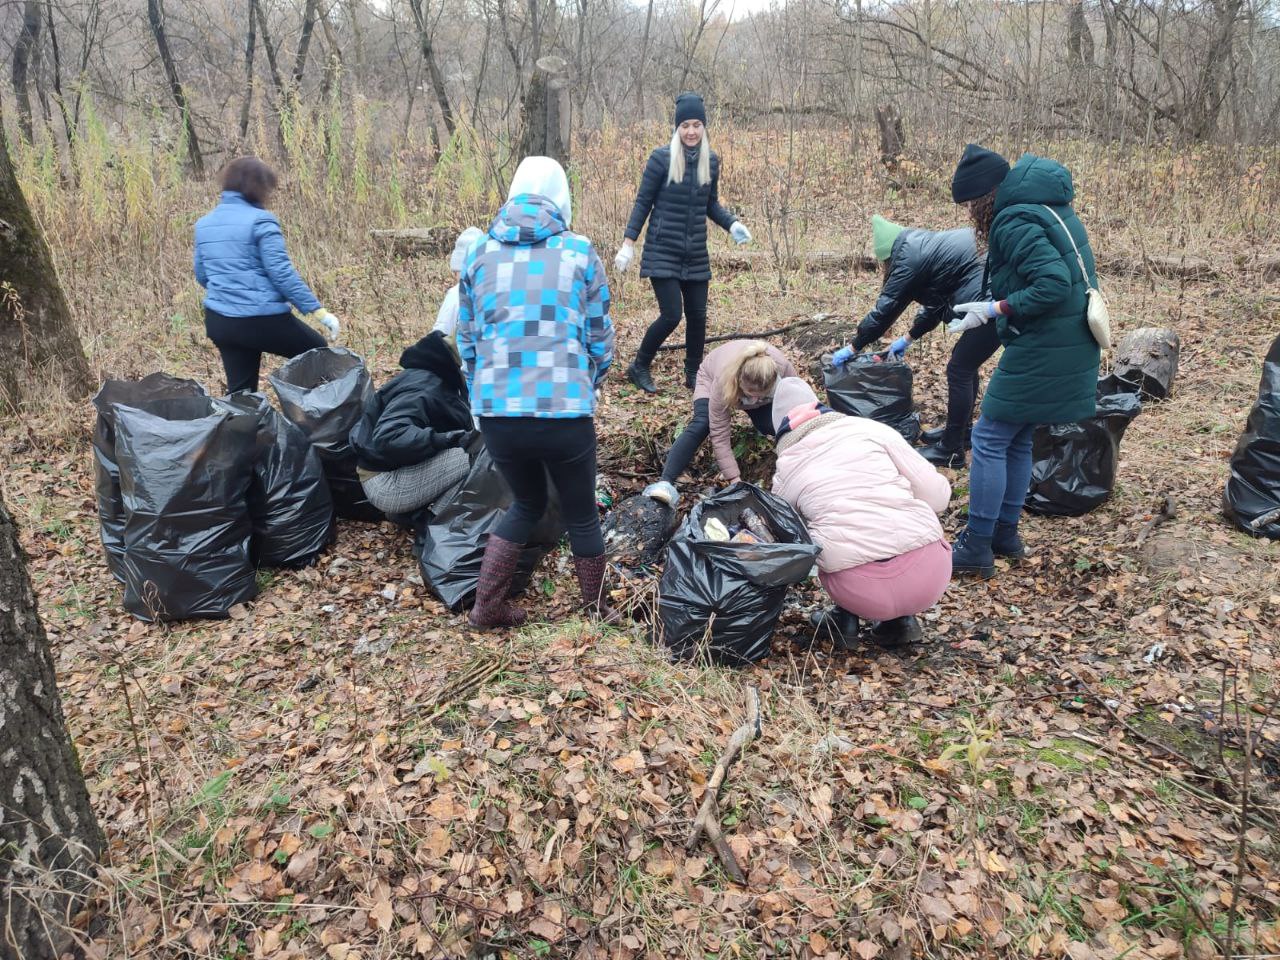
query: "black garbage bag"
289, 498
138, 394
721, 601
1252, 497
450, 543
186, 465
875, 389
325, 391
1073, 466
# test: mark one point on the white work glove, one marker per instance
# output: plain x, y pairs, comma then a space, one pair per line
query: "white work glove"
624, 257
329, 322
968, 322
983, 308
740, 233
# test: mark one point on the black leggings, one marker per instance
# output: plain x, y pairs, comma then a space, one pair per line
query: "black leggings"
525, 450
243, 340
686, 446
676, 297
974, 348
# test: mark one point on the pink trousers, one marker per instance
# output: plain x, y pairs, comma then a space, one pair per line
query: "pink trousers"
900, 586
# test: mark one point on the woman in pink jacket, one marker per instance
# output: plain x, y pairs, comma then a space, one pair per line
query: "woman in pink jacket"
871, 502
738, 376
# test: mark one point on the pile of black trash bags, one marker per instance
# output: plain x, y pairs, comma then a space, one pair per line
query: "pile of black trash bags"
196, 493
1252, 497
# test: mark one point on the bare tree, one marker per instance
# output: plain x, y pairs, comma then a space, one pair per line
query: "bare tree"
23, 53
250, 43
50, 840
155, 18
425, 30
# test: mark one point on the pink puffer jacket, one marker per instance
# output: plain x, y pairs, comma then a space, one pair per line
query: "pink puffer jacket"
863, 491
707, 387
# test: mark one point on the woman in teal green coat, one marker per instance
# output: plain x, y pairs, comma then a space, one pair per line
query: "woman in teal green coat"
1048, 372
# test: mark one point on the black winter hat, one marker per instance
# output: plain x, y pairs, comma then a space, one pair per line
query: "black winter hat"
978, 173
689, 106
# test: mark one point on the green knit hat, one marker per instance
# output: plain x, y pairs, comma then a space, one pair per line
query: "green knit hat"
883, 233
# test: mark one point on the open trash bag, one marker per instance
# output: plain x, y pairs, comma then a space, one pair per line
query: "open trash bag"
186, 465
1252, 497
325, 391
138, 394
876, 389
1073, 467
720, 600
450, 544
289, 499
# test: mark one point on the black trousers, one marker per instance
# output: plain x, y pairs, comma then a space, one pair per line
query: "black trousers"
676, 298
974, 348
686, 446
527, 449
243, 340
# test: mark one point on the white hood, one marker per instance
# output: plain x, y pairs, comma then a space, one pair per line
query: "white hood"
546, 178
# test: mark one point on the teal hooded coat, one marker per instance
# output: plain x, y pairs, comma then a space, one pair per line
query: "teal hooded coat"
1048, 372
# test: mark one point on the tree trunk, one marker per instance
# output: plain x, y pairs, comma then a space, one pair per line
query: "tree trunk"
36, 332
155, 16
1148, 357
23, 52
423, 23
893, 139
644, 53
304, 43
250, 43
546, 112
276, 80
63, 109
49, 837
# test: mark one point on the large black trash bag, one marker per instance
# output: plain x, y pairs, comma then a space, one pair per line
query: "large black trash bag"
450, 543
722, 600
185, 470
1252, 497
289, 499
138, 394
325, 391
875, 389
1073, 466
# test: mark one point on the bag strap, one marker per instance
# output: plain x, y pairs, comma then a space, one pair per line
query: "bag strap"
1072, 240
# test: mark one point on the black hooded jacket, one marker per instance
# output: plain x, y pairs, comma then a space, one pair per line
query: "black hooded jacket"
414, 409
935, 270
675, 245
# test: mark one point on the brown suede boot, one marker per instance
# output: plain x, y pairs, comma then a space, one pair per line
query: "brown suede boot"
591, 581
496, 572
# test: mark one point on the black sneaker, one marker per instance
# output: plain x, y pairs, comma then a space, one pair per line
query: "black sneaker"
898, 632
641, 377
839, 624
941, 456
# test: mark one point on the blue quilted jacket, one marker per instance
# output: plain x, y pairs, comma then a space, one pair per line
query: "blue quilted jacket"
533, 316
241, 262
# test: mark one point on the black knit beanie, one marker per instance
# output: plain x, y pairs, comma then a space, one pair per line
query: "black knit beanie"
689, 106
978, 173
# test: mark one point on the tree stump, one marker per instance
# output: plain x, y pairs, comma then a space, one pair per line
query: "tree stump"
1149, 357
546, 111
893, 140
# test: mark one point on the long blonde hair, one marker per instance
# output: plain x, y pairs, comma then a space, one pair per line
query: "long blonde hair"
675, 170
753, 369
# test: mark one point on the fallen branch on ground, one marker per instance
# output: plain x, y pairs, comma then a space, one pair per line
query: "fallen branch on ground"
1168, 510
708, 819
759, 335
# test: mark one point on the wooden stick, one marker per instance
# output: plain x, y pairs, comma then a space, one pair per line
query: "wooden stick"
795, 325
1168, 510
707, 822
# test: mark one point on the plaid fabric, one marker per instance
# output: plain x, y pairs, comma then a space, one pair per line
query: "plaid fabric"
533, 316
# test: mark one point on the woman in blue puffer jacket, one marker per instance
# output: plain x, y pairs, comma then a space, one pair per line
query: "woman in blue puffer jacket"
249, 280
679, 192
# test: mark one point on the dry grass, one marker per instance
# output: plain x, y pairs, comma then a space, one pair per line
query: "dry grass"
290, 799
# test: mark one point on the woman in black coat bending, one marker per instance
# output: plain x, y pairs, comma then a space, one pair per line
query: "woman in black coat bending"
678, 193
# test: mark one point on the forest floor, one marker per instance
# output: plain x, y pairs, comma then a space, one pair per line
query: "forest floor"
344, 770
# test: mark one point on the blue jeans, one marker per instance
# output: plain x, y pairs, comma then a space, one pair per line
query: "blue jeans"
1000, 475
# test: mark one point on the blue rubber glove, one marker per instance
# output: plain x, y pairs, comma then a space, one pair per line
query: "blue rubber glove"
898, 348
842, 356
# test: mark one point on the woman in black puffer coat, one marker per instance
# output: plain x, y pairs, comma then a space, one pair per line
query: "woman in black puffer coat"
411, 444
678, 193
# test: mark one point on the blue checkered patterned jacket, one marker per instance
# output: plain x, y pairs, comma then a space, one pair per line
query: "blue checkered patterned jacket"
533, 316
